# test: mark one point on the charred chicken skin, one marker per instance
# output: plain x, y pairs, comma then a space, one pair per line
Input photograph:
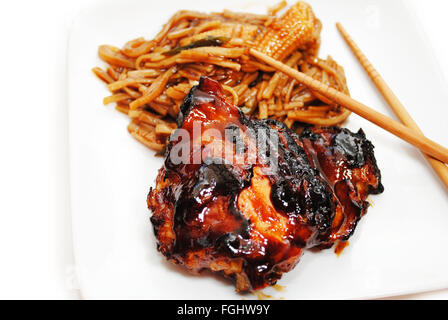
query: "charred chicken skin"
225, 207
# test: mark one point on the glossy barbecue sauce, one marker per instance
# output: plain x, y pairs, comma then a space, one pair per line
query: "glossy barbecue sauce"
346, 161
300, 202
206, 211
339, 248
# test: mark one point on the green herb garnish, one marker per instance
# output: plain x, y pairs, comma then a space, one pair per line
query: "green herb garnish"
208, 41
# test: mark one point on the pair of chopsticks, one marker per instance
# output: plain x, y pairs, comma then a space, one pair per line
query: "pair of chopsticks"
408, 131
439, 167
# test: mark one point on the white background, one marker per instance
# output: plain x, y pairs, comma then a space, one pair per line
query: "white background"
36, 258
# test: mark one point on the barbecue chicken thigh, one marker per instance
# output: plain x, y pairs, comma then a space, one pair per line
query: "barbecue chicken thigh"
246, 197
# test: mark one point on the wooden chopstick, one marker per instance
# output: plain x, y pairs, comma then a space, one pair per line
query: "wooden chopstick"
439, 167
409, 135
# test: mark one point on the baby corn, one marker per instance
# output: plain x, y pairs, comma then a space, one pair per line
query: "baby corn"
294, 30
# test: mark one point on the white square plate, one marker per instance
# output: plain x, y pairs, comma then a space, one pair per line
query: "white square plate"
398, 248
